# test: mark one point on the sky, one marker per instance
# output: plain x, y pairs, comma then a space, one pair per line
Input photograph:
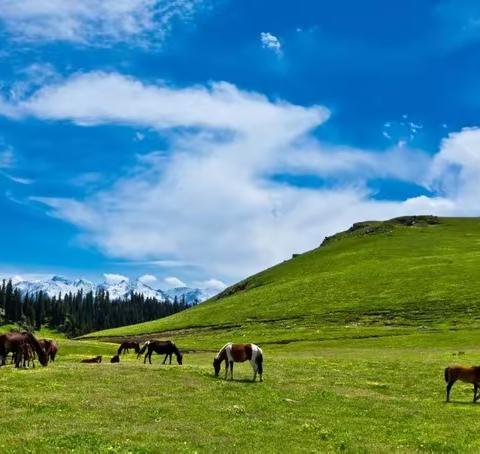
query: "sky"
200, 141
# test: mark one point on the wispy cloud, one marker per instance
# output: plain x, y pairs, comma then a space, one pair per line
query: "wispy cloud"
94, 22
211, 202
271, 42
148, 279
174, 282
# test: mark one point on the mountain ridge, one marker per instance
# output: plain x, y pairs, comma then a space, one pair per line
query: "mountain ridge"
120, 289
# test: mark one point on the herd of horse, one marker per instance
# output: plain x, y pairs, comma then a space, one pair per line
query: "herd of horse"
25, 348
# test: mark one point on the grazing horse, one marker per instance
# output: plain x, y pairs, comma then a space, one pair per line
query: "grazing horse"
14, 343
115, 359
27, 356
465, 374
167, 348
97, 359
239, 353
50, 347
126, 346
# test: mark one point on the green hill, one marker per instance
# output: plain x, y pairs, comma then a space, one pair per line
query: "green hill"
375, 279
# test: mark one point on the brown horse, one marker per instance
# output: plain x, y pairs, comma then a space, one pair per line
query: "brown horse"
167, 348
27, 356
239, 353
127, 345
13, 343
50, 347
465, 374
96, 360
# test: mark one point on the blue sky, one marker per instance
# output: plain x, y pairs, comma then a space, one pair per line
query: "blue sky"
203, 139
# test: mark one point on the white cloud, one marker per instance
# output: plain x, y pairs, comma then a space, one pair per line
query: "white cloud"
211, 284
174, 282
270, 41
211, 202
147, 279
114, 278
94, 22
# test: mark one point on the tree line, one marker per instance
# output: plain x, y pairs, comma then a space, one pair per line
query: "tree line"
80, 313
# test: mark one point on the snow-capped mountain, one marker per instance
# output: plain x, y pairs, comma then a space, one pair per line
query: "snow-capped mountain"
192, 295
117, 289
124, 288
55, 286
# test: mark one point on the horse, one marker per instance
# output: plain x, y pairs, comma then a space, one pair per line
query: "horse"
465, 374
168, 348
27, 356
13, 343
125, 346
239, 353
115, 359
50, 347
96, 360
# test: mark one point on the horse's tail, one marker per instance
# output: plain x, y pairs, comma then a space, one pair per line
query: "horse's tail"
42, 354
142, 350
259, 361
447, 374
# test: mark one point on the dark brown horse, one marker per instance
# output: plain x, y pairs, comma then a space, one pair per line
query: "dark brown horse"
465, 374
239, 353
51, 348
115, 359
14, 343
126, 346
96, 360
167, 348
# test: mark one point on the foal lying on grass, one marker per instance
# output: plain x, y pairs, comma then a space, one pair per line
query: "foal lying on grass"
465, 374
97, 359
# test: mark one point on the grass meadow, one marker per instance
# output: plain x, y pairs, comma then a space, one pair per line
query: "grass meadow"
376, 394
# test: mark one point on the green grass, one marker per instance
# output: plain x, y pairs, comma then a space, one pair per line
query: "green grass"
366, 395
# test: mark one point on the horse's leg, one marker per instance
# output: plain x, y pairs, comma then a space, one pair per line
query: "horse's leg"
231, 370
475, 392
150, 353
145, 358
165, 359
226, 369
170, 362
254, 367
449, 387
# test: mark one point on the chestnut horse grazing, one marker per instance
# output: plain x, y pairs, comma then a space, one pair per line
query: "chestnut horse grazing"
239, 353
167, 348
97, 359
126, 346
14, 343
465, 374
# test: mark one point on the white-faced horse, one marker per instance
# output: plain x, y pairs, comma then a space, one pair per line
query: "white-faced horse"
239, 353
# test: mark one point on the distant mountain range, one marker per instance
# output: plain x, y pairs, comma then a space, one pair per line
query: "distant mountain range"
121, 289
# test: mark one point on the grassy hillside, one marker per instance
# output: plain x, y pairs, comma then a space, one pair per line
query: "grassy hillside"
377, 278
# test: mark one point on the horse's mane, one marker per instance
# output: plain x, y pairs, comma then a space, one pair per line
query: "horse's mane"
222, 350
142, 350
